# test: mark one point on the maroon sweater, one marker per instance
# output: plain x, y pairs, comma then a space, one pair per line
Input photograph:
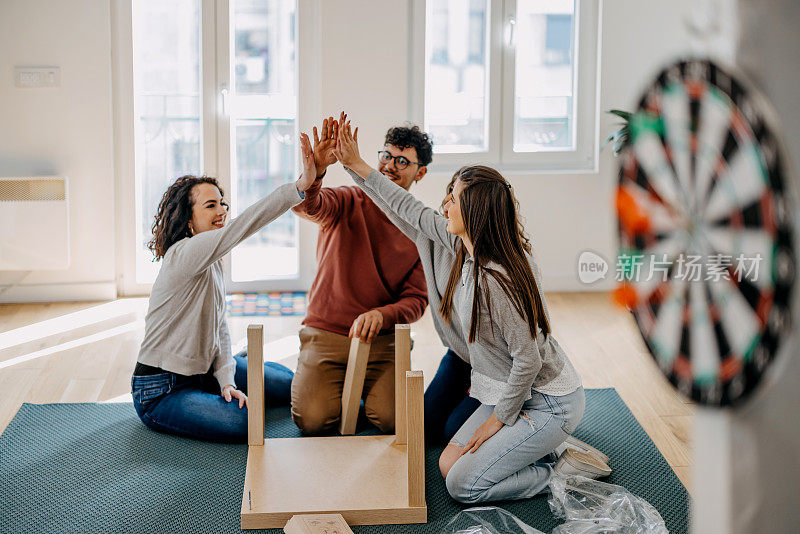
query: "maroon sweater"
364, 262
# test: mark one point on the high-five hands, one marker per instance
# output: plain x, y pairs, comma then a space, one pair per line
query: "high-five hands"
336, 141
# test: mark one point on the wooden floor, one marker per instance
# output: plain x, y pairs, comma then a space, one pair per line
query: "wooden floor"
85, 352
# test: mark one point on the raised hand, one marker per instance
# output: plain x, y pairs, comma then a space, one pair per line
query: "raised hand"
324, 145
347, 143
309, 166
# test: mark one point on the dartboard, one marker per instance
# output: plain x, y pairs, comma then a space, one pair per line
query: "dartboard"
706, 262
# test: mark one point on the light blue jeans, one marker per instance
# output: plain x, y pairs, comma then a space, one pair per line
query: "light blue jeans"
515, 462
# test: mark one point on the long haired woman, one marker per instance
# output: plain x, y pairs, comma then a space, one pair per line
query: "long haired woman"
531, 396
186, 381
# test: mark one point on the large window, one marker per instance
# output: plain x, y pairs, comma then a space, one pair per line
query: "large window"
512, 83
212, 87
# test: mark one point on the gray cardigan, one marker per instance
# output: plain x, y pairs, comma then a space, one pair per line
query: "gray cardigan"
185, 327
507, 364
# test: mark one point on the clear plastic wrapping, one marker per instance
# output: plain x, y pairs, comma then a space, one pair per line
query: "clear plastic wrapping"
592, 507
487, 520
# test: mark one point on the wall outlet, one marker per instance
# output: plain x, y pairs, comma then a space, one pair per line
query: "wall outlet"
37, 76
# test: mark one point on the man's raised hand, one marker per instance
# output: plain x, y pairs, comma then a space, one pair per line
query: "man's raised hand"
324, 145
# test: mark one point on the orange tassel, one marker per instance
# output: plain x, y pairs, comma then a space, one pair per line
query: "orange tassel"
625, 296
632, 218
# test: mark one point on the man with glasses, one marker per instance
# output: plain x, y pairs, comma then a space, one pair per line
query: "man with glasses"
369, 279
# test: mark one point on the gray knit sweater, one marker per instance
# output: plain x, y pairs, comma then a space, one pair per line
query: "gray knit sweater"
185, 327
507, 364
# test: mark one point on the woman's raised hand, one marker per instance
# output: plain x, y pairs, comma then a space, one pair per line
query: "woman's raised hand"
347, 144
309, 166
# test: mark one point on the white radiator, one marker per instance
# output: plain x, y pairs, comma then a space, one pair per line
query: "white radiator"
34, 223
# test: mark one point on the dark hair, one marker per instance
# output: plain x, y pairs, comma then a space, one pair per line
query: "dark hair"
411, 136
491, 221
174, 213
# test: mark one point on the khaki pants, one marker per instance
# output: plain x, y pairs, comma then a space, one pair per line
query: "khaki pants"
319, 380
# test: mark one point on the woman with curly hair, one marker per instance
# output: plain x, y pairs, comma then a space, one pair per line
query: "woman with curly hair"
186, 376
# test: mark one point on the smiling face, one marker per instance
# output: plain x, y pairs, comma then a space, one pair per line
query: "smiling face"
209, 211
402, 177
452, 210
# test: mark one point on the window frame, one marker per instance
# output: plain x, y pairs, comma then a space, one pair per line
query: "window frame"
502, 61
215, 77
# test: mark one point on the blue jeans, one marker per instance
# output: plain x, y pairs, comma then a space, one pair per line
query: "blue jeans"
447, 401
512, 464
192, 406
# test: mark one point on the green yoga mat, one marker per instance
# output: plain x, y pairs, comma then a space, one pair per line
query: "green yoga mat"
95, 468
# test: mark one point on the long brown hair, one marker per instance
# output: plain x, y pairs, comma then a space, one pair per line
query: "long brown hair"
491, 221
171, 222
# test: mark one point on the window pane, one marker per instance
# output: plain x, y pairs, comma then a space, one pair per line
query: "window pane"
456, 67
544, 113
264, 47
167, 91
263, 119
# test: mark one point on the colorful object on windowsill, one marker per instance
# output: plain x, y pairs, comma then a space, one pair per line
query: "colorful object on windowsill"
267, 304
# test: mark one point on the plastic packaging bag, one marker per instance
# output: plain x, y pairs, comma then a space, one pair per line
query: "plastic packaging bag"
598, 526
487, 520
592, 507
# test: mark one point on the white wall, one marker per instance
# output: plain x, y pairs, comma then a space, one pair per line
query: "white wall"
62, 131
364, 59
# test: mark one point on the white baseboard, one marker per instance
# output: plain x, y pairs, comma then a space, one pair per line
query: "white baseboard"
82, 291
89, 291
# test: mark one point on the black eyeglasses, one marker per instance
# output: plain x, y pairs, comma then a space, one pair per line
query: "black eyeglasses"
401, 162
